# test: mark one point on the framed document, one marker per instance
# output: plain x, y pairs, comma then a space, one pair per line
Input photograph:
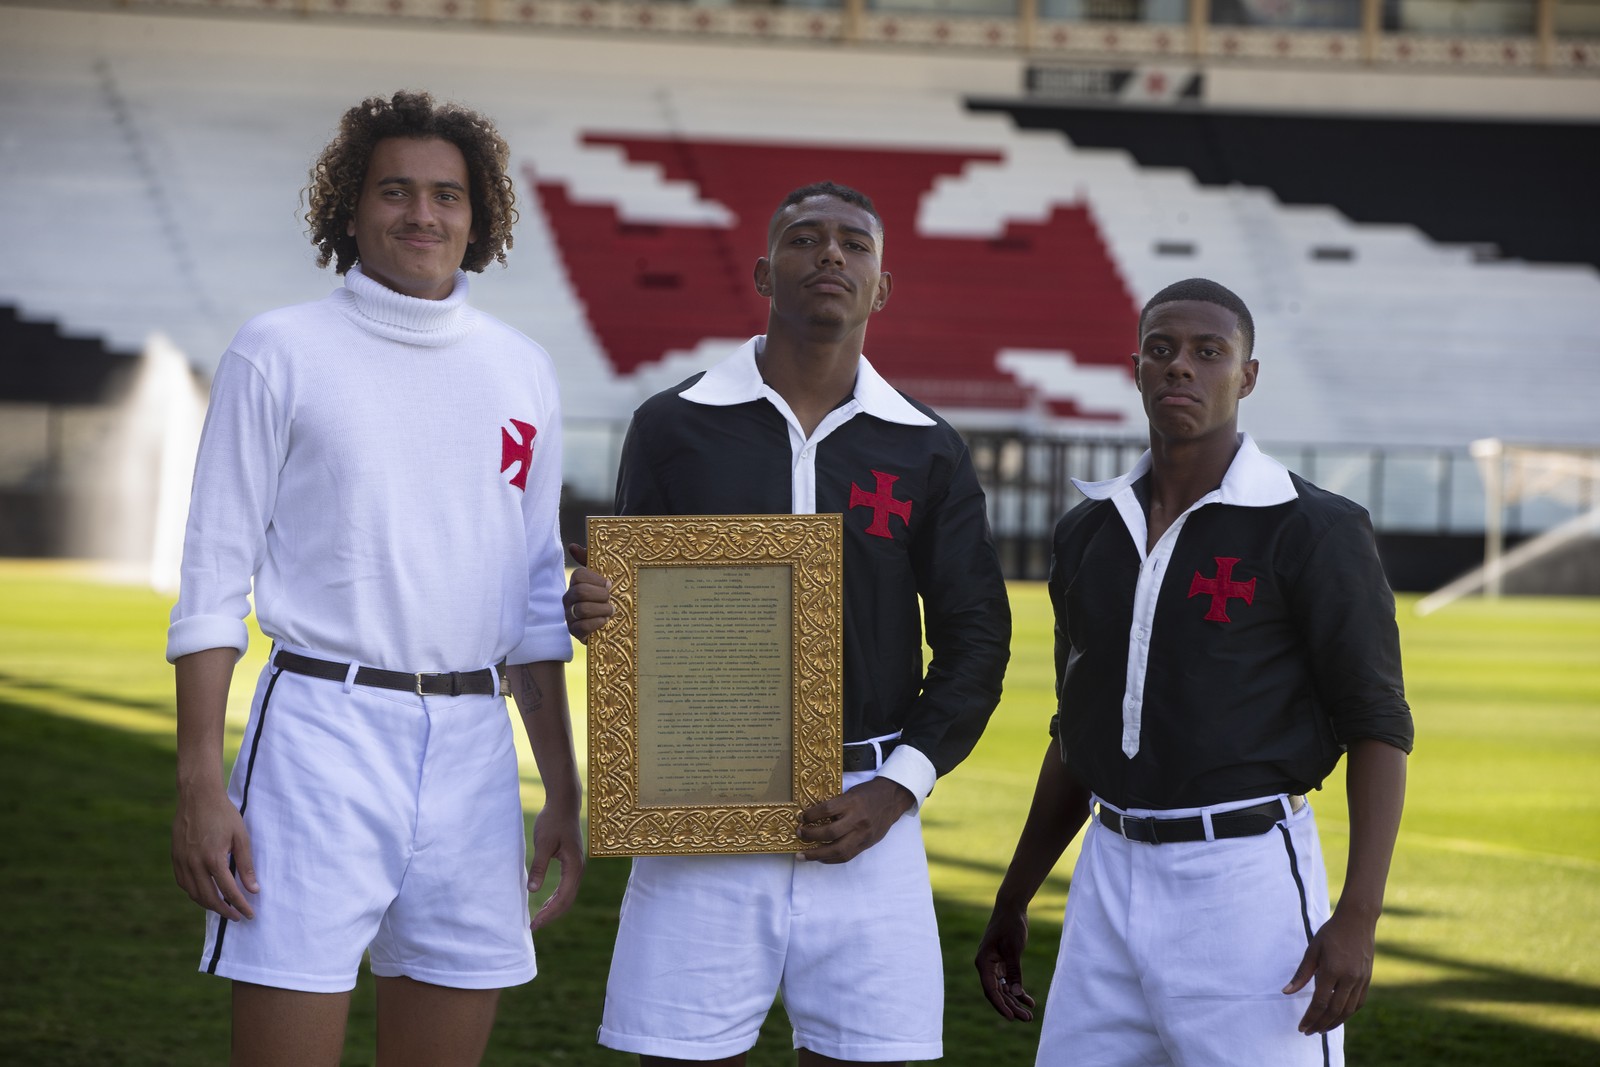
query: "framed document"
715, 691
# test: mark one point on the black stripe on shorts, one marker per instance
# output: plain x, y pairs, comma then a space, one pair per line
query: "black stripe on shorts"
1305, 912
244, 799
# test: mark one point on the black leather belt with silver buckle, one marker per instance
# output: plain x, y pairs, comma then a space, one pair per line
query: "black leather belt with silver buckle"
425, 684
864, 756
1240, 822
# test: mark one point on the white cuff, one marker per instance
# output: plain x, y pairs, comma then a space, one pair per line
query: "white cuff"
543, 644
911, 769
200, 632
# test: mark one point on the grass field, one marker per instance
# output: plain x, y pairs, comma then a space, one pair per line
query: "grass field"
1487, 954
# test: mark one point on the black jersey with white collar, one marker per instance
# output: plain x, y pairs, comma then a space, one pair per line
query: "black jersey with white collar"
1236, 658
915, 526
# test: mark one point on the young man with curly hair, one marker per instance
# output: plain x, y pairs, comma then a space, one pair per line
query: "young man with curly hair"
382, 466
798, 421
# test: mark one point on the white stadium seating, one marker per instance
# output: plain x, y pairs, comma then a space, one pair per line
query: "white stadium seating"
151, 163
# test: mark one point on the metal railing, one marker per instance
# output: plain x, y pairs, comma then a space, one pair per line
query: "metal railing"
54, 455
1553, 35
1027, 477
1410, 490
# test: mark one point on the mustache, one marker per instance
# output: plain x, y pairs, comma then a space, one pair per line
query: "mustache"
832, 276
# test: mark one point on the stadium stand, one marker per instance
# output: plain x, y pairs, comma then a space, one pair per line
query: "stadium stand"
40, 365
159, 154
958, 302
1020, 259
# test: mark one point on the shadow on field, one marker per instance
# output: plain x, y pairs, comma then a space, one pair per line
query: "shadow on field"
1400, 1028
1478, 982
996, 871
101, 947
100, 944
89, 696
1420, 1022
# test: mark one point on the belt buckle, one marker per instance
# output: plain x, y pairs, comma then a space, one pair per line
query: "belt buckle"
1146, 824
455, 682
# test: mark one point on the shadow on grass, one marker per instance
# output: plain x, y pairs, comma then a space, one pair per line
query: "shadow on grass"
1396, 1028
101, 947
88, 696
100, 944
1479, 982
996, 871
1421, 1024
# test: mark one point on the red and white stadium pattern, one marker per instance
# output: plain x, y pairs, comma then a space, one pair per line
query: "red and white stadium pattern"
650, 289
647, 171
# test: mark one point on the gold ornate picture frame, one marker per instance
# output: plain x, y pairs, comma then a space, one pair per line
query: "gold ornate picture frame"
715, 691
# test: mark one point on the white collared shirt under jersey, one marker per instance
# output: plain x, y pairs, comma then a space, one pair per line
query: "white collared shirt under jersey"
737, 380
1253, 480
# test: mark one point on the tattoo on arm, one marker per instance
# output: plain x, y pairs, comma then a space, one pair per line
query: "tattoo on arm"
529, 696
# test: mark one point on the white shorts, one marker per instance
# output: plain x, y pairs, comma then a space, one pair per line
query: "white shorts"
378, 819
1175, 955
705, 942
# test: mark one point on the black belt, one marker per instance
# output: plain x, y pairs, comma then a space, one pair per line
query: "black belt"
1241, 822
440, 684
863, 756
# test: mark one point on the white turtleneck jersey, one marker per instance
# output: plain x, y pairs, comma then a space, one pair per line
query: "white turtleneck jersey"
387, 470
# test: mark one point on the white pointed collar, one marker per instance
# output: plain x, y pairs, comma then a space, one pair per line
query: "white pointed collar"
1254, 480
737, 380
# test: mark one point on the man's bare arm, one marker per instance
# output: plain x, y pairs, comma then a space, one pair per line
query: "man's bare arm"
1060, 806
540, 690
1340, 955
210, 845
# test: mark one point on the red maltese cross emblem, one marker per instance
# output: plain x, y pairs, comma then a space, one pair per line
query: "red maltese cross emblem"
1222, 588
517, 450
882, 503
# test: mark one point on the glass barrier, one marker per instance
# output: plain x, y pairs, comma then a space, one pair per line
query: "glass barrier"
991, 8
1494, 18
1464, 499
1577, 18
1414, 492
1148, 11
756, 4
25, 445
1406, 489
1296, 14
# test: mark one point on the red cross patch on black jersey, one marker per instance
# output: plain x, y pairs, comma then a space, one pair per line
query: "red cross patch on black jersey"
882, 503
1222, 588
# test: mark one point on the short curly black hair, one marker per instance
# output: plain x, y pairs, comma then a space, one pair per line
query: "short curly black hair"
1209, 292
833, 189
341, 169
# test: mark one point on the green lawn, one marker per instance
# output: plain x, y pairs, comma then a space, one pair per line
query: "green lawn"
1486, 956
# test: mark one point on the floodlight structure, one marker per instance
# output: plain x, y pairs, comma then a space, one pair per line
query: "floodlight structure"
1513, 474
144, 466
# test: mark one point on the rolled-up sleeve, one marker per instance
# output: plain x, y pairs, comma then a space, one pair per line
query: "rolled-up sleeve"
235, 484
545, 638
968, 621
1345, 609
